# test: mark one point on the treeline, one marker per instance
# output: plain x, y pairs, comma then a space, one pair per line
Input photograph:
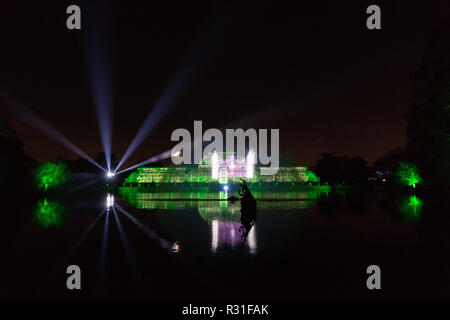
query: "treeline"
426, 156
16, 168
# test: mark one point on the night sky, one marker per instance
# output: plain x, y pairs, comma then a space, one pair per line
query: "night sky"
312, 70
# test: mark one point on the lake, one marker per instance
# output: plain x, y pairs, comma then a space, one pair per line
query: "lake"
188, 245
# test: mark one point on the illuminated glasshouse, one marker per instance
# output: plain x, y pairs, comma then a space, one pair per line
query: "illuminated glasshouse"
223, 168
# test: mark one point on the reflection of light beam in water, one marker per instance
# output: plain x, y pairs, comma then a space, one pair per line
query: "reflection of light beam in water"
131, 260
193, 271
29, 116
102, 263
83, 236
149, 232
109, 200
251, 241
175, 247
215, 235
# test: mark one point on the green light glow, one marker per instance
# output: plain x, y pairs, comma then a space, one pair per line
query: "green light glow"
51, 175
312, 176
48, 214
223, 176
231, 169
408, 174
211, 205
411, 208
202, 174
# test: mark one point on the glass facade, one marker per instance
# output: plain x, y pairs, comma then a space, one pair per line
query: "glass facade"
223, 168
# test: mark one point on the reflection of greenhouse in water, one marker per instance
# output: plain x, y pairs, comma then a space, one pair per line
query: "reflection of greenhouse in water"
222, 216
212, 205
229, 234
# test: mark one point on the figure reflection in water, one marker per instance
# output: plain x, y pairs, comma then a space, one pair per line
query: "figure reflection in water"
248, 209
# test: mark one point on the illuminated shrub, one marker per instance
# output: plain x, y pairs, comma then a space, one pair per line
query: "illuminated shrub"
51, 175
407, 174
312, 176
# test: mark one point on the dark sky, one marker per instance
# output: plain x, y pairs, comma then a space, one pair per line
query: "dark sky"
312, 70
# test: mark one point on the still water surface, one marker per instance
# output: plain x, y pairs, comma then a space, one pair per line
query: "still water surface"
307, 244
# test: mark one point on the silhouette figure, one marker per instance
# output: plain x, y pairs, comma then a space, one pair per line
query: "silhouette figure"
248, 210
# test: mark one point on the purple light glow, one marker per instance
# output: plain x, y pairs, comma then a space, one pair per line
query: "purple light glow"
235, 167
225, 233
229, 234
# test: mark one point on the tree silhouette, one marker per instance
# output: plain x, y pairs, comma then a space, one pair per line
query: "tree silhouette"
337, 170
15, 166
429, 113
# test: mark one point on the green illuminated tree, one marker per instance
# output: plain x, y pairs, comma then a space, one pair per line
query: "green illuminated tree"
51, 175
312, 176
407, 174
